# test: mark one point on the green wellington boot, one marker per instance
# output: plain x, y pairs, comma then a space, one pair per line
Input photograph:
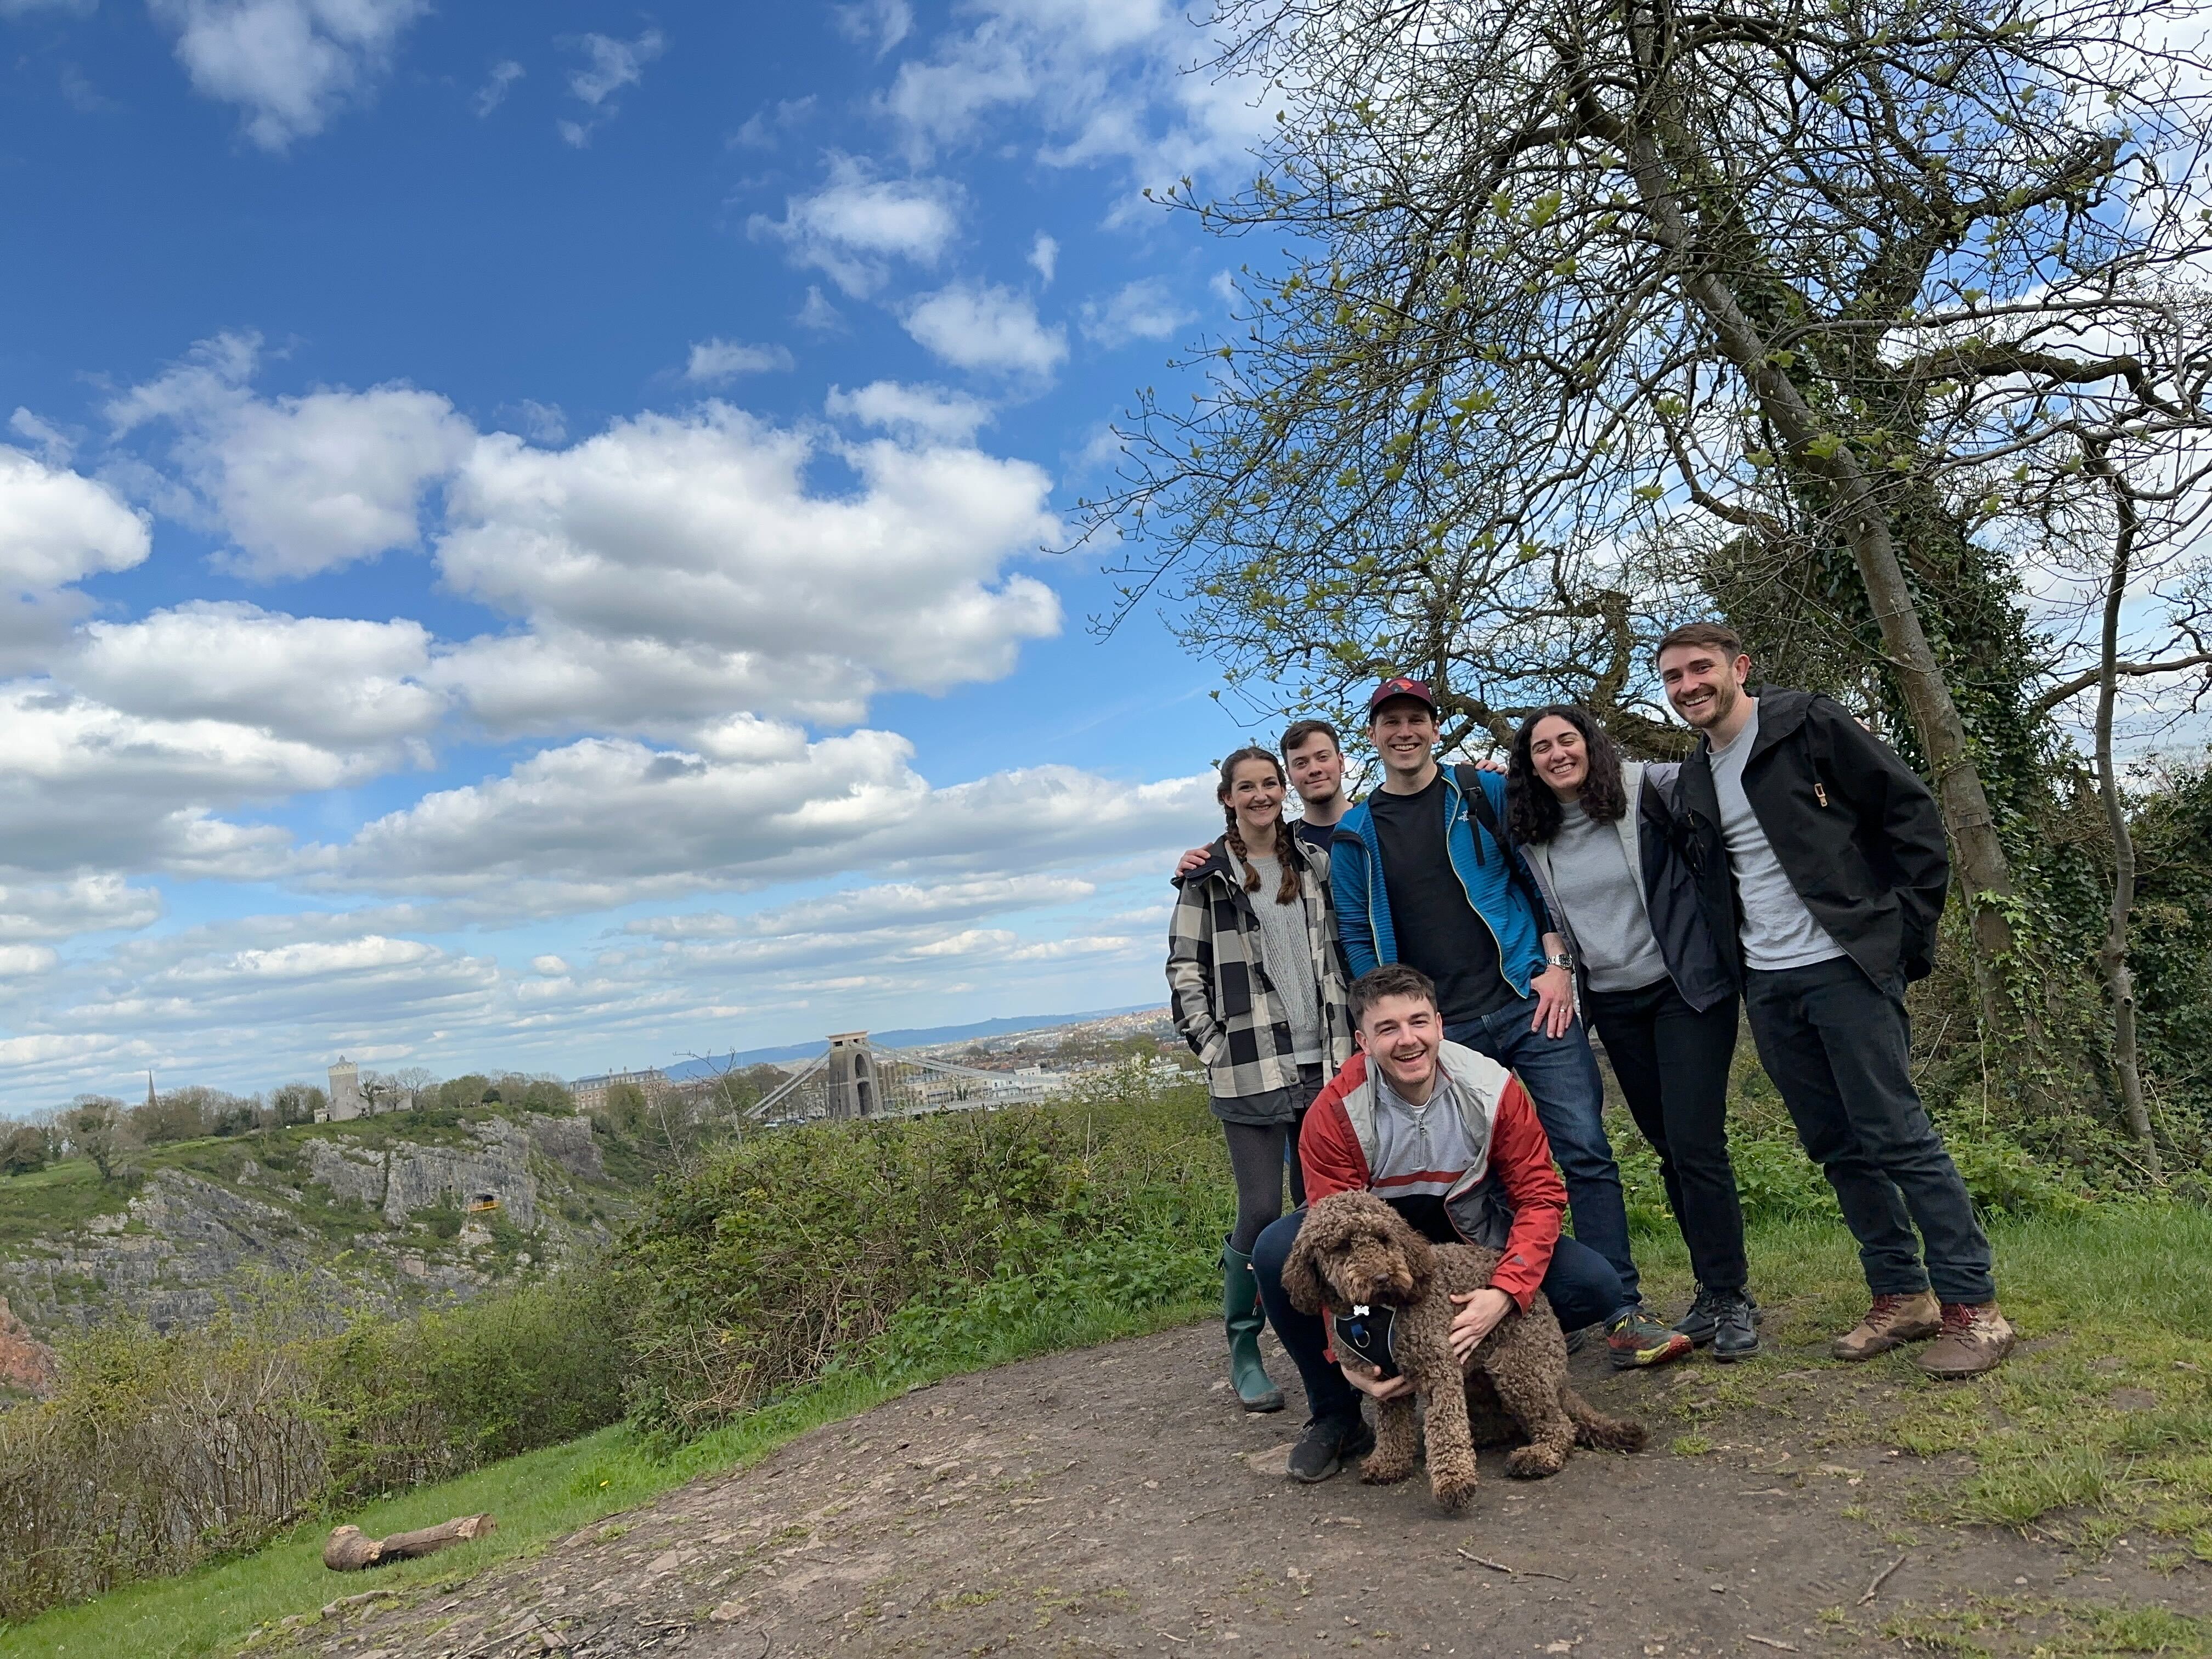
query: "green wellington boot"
1242, 1316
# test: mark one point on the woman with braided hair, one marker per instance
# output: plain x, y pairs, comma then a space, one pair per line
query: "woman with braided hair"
1257, 988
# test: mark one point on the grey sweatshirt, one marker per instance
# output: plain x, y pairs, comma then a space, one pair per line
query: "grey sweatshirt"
1604, 901
1289, 959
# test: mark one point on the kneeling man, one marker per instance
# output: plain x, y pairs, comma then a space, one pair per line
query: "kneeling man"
1449, 1138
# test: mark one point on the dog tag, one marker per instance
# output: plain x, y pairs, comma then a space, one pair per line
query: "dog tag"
1364, 1334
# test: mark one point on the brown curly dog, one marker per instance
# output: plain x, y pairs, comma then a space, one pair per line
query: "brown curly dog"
1355, 1250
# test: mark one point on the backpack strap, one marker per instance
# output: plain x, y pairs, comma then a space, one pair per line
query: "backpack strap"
1517, 869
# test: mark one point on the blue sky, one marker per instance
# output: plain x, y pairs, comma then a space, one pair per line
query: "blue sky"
527, 525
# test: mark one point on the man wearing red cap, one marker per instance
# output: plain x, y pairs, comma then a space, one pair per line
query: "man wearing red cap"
1423, 873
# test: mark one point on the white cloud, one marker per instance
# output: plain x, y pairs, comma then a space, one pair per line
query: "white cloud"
762, 127
290, 64
94, 789
857, 223
491, 96
866, 908
714, 362
57, 527
612, 65
301, 484
89, 904
18, 960
317, 679
551, 967
985, 327
1044, 256
1104, 80
672, 569
879, 25
817, 315
52, 445
1144, 310
607, 821
920, 411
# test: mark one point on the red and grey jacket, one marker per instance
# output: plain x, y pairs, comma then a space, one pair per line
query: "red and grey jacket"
1509, 1199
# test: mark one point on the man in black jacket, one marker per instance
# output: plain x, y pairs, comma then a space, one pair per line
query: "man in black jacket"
1823, 854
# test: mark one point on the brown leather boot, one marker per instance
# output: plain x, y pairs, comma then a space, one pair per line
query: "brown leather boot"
1974, 1338
1891, 1322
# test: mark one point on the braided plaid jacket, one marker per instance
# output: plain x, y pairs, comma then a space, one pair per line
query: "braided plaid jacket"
1233, 1019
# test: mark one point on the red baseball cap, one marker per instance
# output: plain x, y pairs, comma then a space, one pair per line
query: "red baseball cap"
1399, 686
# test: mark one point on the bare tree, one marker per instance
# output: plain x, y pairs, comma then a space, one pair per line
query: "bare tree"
1801, 285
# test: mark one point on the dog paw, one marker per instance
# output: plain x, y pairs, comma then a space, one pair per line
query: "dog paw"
1534, 1462
1453, 1496
1376, 1472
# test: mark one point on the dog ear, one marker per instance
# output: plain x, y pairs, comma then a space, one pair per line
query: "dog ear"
1301, 1281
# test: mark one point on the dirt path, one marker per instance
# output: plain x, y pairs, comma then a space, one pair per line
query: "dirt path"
1111, 1501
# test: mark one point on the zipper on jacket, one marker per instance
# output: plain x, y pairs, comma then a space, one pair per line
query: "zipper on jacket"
1474, 832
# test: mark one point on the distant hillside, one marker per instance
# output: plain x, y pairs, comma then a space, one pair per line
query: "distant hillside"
921, 1038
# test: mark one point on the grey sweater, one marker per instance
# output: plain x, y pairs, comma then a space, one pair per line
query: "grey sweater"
1604, 901
1289, 962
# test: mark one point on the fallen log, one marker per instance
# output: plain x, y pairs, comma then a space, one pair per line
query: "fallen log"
349, 1549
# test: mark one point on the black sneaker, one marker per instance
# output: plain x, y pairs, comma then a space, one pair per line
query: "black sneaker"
1735, 1328
1703, 1320
1328, 1444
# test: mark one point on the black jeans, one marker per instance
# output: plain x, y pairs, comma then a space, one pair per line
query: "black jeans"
1580, 1284
1835, 1044
1672, 1064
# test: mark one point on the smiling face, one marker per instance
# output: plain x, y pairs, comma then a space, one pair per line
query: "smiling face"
1559, 756
1705, 685
1402, 1036
1255, 793
1316, 769
1404, 733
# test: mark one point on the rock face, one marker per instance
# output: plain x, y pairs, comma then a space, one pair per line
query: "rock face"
405, 1179
26, 1363
185, 1247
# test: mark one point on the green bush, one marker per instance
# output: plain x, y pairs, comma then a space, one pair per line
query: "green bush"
161, 1451
840, 1245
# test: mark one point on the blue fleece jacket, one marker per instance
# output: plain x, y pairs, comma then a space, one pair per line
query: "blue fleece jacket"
1363, 903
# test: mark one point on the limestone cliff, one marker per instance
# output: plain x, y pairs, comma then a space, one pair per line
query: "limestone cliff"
361, 1215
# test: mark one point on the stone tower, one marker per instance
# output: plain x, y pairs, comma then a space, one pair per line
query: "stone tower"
851, 1076
345, 1090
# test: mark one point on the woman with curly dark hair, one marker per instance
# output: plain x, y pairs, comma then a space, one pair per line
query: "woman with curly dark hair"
1258, 992
1657, 987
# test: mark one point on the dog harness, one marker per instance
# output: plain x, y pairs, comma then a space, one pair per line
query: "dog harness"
1366, 1334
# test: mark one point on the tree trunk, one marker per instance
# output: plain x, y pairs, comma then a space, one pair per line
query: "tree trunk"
349, 1550
2112, 957
1981, 867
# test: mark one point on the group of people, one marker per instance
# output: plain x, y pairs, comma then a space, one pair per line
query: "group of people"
1396, 995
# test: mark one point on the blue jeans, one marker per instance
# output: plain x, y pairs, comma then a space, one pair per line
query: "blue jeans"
1561, 1077
1582, 1287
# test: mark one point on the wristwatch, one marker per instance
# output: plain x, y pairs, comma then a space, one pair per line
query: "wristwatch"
1561, 961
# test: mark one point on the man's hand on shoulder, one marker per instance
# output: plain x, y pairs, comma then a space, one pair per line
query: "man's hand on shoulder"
1191, 859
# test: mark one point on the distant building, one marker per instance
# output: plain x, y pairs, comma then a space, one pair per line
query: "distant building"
591, 1092
346, 1102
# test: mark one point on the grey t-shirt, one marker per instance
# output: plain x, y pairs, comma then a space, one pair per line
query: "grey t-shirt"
1779, 930
1604, 902
1289, 957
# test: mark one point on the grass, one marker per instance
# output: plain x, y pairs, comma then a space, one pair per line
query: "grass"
2098, 1427
538, 1499
2101, 1426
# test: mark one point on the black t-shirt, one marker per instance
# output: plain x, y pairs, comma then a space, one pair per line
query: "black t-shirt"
1316, 836
1438, 931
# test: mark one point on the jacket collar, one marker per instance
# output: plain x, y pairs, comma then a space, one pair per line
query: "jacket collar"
1219, 863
